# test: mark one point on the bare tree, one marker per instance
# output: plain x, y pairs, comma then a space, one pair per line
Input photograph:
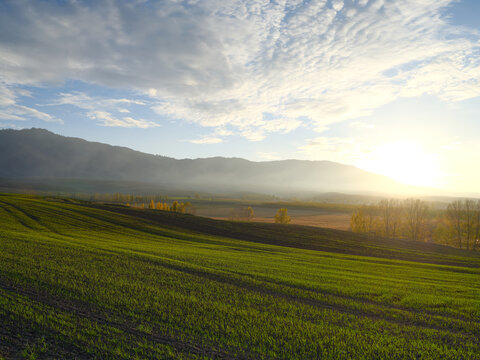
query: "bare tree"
476, 226
415, 217
390, 211
469, 221
454, 214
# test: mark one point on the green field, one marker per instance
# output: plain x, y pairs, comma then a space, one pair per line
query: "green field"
80, 280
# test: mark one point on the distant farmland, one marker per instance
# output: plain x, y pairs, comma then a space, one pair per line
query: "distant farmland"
329, 218
82, 280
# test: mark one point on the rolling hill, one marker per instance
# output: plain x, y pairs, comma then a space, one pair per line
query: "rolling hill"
39, 154
88, 281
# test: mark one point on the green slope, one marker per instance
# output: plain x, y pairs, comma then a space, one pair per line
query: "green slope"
85, 281
306, 237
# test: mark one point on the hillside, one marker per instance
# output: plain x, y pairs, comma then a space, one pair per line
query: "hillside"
81, 280
305, 237
39, 154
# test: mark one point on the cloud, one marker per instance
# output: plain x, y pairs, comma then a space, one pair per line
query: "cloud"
107, 119
337, 5
453, 145
343, 150
206, 140
269, 156
361, 125
10, 109
11, 126
229, 63
99, 108
28, 111
6, 115
223, 132
84, 101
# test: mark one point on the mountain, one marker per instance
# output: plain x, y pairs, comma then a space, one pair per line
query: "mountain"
41, 154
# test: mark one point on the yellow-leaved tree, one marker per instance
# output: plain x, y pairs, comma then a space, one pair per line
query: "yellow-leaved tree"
364, 219
249, 213
281, 217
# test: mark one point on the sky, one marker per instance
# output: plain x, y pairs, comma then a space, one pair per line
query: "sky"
390, 86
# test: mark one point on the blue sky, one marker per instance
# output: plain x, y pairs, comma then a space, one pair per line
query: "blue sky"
390, 86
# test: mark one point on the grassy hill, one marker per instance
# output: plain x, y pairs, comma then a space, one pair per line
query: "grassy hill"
80, 280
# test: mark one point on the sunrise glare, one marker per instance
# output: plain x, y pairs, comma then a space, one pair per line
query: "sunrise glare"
405, 162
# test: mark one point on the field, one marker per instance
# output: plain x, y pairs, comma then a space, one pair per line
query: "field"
301, 214
82, 280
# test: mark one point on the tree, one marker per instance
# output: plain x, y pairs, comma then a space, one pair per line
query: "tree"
470, 222
463, 218
415, 218
390, 211
281, 217
241, 213
181, 208
249, 213
455, 220
152, 205
363, 219
174, 206
476, 226
189, 209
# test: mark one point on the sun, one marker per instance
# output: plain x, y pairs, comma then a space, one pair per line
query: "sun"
405, 162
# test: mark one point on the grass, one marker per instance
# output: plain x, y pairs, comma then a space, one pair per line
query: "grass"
80, 280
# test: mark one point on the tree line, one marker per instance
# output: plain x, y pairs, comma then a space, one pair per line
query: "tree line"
124, 198
457, 225
244, 213
180, 207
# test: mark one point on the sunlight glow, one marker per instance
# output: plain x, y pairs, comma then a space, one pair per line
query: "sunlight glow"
405, 162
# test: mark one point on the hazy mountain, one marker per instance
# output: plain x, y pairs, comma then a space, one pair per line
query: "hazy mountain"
38, 153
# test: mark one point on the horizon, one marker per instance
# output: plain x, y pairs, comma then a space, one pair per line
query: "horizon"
389, 87
398, 190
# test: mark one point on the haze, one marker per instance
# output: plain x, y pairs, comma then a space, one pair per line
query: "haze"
391, 87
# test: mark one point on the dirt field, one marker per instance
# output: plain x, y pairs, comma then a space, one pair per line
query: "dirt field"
320, 218
333, 221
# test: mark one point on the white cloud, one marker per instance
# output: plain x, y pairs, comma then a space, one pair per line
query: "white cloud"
10, 109
107, 119
152, 92
337, 5
10, 126
101, 109
206, 140
28, 111
361, 125
6, 115
223, 132
253, 135
453, 145
228, 63
84, 101
343, 150
269, 156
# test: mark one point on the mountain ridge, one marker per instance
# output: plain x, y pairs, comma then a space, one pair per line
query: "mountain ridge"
31, 153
